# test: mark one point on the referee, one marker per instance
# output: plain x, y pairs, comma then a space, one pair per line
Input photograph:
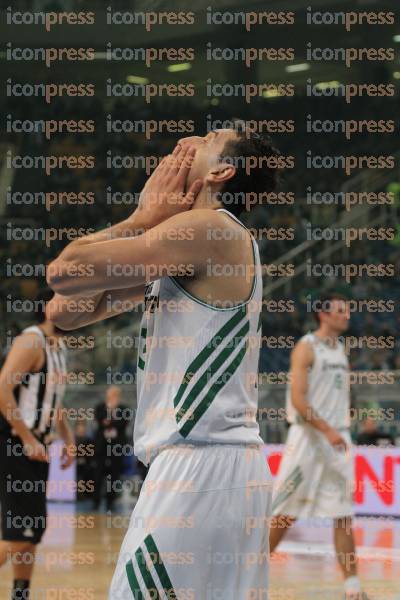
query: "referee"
32, 383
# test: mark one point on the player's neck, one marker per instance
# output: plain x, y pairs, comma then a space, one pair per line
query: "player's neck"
327, 335
207, 198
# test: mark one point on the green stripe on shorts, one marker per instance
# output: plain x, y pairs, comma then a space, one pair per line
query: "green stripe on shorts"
147, 577
296, 477
133, 582
160, 568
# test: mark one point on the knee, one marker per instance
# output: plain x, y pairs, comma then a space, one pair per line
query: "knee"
22, 553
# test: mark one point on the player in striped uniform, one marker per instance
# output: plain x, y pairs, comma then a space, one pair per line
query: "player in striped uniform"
315, 478
32, 383
200, 527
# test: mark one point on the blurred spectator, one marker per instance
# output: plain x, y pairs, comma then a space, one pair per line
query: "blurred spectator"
112, 419
371, 436
84, 460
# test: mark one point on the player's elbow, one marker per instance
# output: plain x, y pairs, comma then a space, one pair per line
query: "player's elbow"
61, 277
298, 403
57, 316
60, 311
55, 275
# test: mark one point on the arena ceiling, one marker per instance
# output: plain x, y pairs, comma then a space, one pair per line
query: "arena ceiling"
101, 37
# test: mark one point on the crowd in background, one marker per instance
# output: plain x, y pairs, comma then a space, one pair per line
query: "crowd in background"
101, 180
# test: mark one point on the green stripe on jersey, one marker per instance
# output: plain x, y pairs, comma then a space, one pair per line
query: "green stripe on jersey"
212, 392
133, 582
212, 369
160, 568
147, 577
208, 350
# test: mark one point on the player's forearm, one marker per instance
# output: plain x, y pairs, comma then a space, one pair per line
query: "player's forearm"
73, 269
309, 415
73, 312
65, 431
10, 411
135, 225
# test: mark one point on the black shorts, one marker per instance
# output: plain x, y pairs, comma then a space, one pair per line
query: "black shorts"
22, 493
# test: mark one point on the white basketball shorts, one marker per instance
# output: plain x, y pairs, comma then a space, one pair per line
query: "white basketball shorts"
200, 528
314, 479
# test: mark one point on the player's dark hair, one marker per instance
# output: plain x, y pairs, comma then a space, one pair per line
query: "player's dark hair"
322, 304
42, 298
260, 179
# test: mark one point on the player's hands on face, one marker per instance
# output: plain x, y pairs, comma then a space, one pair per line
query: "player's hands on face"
34, 450
336, 440
67, 456
165, 193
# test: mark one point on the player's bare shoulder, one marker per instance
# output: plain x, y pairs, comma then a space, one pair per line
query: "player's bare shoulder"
230, 238
26, 355
30, 344
302, 354
224, 252
216, 235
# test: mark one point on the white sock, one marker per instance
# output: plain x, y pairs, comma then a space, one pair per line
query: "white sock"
352, 585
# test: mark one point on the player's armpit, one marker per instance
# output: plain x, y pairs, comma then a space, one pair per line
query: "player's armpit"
178, 247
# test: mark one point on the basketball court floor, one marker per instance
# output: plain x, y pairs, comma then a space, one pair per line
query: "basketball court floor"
77, 556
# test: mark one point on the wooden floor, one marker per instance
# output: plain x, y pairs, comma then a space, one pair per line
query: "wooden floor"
77, 556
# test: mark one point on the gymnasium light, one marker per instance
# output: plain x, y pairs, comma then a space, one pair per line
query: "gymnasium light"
137, 79
297, 68
324, 85
271, 93
396, 38
179, 67
396, 75
100, 56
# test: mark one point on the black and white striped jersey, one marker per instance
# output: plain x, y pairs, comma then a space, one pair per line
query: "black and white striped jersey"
40, 394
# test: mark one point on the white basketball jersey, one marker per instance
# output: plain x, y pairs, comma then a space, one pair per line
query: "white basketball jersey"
40, 394
328, 384
197, 368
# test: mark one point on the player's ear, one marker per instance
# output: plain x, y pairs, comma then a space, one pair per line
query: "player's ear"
220, 173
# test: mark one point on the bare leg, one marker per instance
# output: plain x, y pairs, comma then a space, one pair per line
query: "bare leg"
23, 559
347, 558
22, 556
345, 547
5, 552
279, 526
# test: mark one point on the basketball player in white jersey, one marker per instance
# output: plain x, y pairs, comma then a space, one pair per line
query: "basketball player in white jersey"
198, 531
32, 383
315, 476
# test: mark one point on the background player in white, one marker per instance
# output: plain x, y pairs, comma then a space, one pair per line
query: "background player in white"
315, 478
207, 492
